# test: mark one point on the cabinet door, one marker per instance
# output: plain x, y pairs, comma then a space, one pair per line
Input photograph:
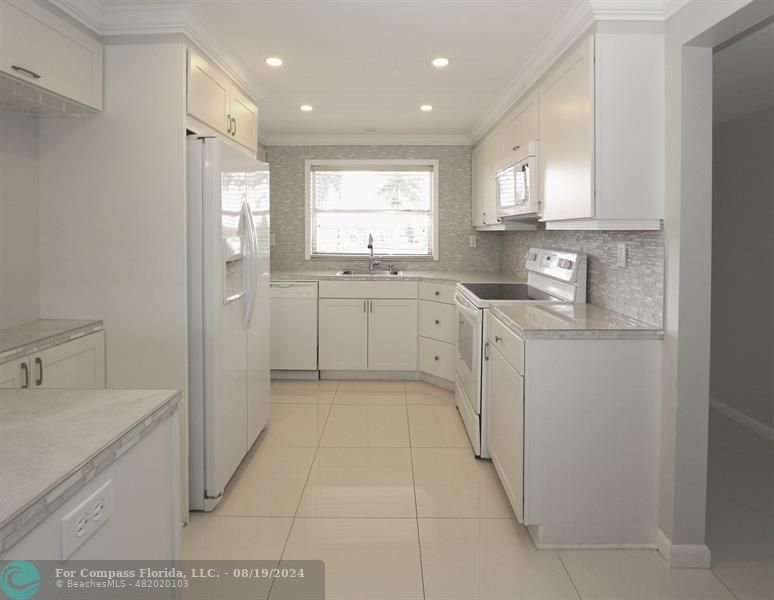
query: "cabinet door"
491, 147
245, 116
76, 364
343, 334
567, 137
40, 48
479, 184
521, 127
208, 94
392, 335
505, 426
14, 374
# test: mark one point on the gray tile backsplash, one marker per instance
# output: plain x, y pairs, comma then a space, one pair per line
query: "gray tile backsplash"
637, 290
287, 207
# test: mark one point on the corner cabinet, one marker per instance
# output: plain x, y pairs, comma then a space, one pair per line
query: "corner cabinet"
601, 163
43, 51
217, 102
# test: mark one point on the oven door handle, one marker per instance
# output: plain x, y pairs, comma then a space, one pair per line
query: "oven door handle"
460, 302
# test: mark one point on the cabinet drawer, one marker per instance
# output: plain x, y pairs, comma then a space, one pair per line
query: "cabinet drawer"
510, 345
436, 321
437, 292
436, 358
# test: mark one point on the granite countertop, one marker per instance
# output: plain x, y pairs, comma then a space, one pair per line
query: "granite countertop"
27, 338
408, 275
572, 321
54, 441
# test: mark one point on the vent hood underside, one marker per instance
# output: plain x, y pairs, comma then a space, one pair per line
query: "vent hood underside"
19, 96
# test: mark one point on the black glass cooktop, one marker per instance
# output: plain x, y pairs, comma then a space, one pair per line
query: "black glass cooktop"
506, 291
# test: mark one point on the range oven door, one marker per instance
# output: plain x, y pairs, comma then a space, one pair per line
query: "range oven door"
467, 365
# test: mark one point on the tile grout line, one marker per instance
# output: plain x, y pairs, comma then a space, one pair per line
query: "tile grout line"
414, 484
566, 570
308, 475
724, 584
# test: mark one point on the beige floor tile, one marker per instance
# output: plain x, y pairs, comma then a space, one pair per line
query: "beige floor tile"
365, 559
209, 537
269, 483
488, 559
450, 482
420, 392
303, 392
376, 398
356, 385
640, 575
366, 426
360, 482
436, 427
296, 425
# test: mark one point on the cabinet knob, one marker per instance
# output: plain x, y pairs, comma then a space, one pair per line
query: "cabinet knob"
437, 293
437, 358
437, 322
498, 338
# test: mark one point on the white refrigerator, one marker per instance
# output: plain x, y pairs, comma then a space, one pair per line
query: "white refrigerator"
228, 312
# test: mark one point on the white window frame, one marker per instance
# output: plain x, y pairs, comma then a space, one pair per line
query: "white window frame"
359, 163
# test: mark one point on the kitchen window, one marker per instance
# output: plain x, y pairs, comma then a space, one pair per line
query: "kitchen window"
396, 201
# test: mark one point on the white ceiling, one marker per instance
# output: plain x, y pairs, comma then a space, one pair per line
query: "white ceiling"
366, 63
744, 75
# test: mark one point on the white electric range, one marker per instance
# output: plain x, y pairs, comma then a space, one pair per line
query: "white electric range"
552, 276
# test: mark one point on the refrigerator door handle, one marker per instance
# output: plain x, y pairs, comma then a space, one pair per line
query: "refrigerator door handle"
253, 267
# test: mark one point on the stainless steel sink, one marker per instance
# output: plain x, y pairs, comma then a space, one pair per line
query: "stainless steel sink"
362, 272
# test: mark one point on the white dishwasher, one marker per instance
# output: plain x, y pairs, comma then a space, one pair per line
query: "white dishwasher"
293, 326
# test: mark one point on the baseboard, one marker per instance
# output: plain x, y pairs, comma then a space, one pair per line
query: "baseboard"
536, 533
741, 418
305, 375
436, 381
371, 375
683, 556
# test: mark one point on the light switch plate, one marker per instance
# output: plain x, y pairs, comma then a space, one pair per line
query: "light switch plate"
621, 255
85, 519
472, 240
273, 239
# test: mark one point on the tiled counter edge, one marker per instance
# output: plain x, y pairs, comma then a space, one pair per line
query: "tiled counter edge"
47, 340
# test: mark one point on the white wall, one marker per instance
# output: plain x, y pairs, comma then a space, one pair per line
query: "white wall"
19, 254
742, 271
112, 218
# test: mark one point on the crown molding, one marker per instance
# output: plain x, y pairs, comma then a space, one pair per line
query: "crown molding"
365, 140
122, 21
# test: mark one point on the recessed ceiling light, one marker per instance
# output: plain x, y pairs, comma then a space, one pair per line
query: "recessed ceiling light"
426, 108
273, 61
306, 107
440, 62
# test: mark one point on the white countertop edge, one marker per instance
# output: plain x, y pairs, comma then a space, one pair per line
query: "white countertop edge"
48, 339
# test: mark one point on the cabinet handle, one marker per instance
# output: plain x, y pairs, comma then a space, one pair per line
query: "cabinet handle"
25, 72
233, 129
364, 305
437, 293
436, 358
486, 351
483, 217
515, 148
498, 338
39, 367
437, 322
228, 120
25, 375
371, 305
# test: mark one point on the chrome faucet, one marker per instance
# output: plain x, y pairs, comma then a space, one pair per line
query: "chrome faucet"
372, 262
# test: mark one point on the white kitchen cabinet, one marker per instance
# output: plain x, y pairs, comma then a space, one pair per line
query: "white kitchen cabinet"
437, 321
505, 425
217, 102
519, 128
79, 363
392, 335
41, 49
343, 334
601, 135
436, 358
14, 374
479, 184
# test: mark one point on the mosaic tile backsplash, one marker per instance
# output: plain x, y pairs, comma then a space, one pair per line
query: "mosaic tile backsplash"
636, 291
454, 178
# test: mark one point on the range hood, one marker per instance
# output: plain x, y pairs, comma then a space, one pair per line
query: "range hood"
19, 96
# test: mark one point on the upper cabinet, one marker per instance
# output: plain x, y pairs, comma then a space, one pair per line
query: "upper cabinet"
598, 115
45, 54
217, 102
602, 135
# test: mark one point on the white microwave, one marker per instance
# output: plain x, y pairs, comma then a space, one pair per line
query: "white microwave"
517, 187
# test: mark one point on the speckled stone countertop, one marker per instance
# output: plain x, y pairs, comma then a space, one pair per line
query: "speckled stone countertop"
450, 277
572, 321
53, 442
34, 336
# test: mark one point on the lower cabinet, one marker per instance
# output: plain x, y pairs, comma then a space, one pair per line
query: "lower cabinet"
436, 358
79, 363
505, 425
368, 334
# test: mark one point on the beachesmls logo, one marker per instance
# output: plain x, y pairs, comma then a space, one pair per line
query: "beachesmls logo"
19, 580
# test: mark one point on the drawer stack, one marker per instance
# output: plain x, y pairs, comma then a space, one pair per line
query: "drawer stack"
437, 330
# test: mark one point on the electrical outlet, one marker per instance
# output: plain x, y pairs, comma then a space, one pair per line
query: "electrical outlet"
622, 255
273, 239
85, 519
473, 241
